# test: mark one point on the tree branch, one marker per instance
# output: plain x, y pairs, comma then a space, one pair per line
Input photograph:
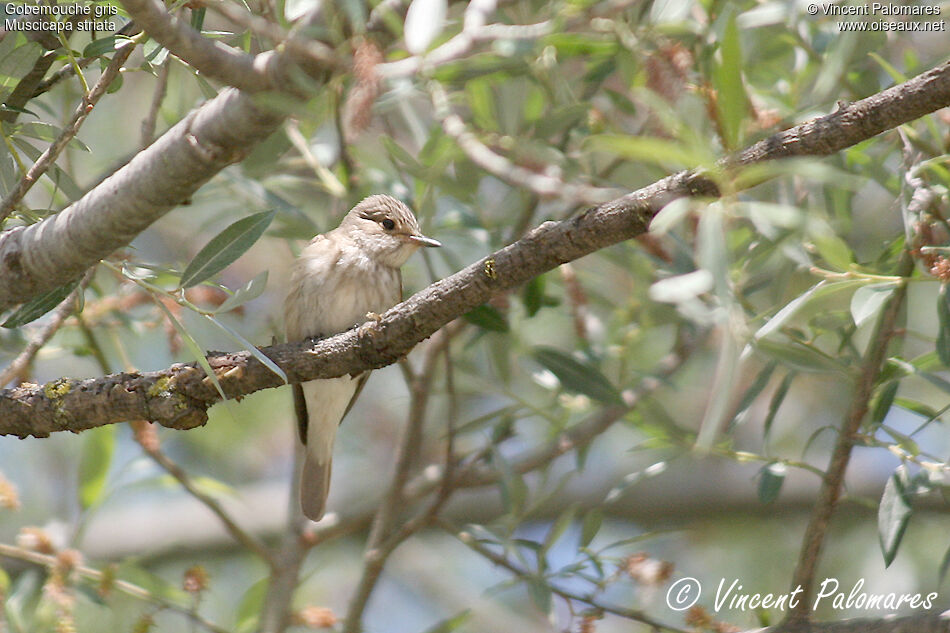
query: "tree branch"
214, 59
180, 395
45, 255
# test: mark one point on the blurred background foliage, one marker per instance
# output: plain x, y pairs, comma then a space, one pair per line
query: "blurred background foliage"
776, 289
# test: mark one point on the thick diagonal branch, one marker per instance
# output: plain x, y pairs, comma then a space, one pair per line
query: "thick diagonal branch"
180, 395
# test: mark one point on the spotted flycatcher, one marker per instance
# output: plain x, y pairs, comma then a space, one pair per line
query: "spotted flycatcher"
339, 278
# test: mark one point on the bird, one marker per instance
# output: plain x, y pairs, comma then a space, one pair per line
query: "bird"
340, 280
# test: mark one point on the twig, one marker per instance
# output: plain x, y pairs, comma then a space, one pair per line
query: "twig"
148, 124
379, 545
60, 314
209, 502
69, 130
833, 481
502, 561
313, 50
211, 58
125, 587
460, 45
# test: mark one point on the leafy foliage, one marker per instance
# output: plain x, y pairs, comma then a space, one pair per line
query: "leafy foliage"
556, 398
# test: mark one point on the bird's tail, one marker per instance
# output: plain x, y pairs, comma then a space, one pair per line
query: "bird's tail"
315, 486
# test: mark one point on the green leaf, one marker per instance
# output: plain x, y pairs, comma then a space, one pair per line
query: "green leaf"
682, 288
799, 356
450, 624
576, 376
97, 451
425, 19
249, 291
194, 348
670, 216
250, 347
893, 514
39, 305
533, 295
867, 301
226, 247
481, 101
771, 478
943, 322
944, 566
727, 78
590, 526
833, 249
655, 151
919, 408
487, 318
249, 608
540, 593
776, 402
198, 18
882, 404
100, 46
755, 388
819, 290
560, 526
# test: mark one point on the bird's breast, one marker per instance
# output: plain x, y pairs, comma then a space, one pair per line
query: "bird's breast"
332, 291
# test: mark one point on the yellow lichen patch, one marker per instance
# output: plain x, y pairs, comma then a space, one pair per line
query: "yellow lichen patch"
56, 389
160, 389
490, 271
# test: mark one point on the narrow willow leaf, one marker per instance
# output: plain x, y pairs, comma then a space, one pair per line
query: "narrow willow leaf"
194, 348
943, 323
250, 347
590, 526
919, 408
783, 315
451, 624
249, 291
893, 514
425, 19
776, 402
39, 305
771, 479
97, 450
487, 318
226, 247
944, 566
249, 608
540, 593
560, 526
656, 151
867, 301
833, 250
731, 100
99, 47
576, 376
755, 388
882, 404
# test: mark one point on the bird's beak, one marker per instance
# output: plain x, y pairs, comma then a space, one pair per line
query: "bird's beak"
422, 240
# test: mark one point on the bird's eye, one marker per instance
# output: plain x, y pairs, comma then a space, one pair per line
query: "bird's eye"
388, 224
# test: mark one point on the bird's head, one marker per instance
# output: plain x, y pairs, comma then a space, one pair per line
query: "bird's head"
385, 229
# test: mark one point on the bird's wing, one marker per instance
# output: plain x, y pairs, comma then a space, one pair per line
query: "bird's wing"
300, 405
356, 394
300, 409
